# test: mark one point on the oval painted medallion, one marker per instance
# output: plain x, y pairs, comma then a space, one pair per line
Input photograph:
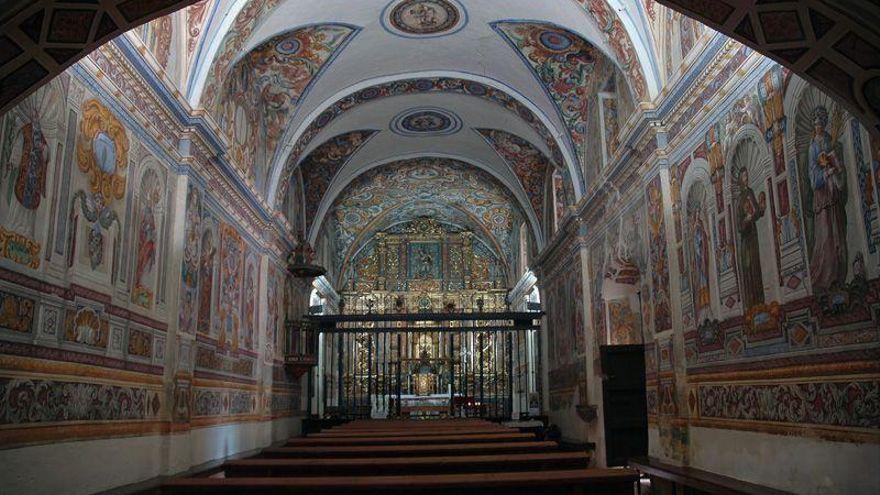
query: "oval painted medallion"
425, 17
425, 121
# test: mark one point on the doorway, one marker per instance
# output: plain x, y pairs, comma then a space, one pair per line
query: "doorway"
625, 407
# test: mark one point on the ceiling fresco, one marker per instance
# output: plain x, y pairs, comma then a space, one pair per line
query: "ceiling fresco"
526, 161
246, 20
420, 18
262, 89
425, 121
322, 164
564, 62
414, 86
414, 187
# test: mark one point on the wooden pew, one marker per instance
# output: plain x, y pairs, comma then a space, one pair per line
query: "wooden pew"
691, 480
406, 465
415, 428
410, 433
412, 440
573, 481
409, 423
410, 450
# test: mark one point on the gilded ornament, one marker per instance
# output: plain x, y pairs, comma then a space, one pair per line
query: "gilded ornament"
102, 152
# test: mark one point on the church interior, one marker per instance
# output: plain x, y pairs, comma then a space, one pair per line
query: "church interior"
440, 246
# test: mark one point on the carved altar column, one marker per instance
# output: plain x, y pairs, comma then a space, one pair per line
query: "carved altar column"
467, 257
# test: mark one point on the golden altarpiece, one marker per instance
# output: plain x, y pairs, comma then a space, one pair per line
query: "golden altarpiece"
425, 329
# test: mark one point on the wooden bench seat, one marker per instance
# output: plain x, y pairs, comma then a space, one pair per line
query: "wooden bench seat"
412, 440
408, 423
573, 481
410, 450
416, 429
662, 473
410, 433
406, 465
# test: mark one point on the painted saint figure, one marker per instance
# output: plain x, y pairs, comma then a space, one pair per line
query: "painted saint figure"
426, 263
828, 183
206, 274
700, 272
146, 256
749, 211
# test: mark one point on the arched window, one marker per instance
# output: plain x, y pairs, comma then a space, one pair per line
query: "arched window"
316, 303
533, 300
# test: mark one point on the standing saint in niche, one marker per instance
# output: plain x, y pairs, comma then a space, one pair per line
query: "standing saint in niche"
749, 210
828, 261
146, 257
426, 263
700, 272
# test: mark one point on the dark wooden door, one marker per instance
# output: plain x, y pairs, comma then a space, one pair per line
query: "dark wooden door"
625, 409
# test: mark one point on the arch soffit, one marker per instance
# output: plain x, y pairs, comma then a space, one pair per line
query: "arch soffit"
342, 180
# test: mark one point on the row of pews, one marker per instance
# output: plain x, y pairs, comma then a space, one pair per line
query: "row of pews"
458, 457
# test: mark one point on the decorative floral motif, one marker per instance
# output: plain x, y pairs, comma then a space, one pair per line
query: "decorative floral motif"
40, 401
263, 88
86, 326
852, 404
16, 313
140, 343
564, 63
528, 163
322, 164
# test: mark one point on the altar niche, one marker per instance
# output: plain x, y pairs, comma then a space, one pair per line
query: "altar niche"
428, 365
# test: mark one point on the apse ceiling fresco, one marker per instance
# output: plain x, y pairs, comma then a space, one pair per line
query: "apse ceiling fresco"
406, 189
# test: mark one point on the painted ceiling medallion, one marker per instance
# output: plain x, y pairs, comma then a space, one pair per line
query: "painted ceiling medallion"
424, 18
425, 121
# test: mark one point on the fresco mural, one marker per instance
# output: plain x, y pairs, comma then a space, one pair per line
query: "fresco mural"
149, 220
190, 266
436, 181
251, 15
322, 164
86, 195
30, 138
662, 315
565, 326
564, 62
621, 44
741, 247
262, 89
230, 288
527, 162
430, 85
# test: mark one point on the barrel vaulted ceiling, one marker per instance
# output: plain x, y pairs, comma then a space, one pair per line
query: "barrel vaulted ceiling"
379, 61
310, 96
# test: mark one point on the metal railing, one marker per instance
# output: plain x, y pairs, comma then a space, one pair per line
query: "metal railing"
427, 365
